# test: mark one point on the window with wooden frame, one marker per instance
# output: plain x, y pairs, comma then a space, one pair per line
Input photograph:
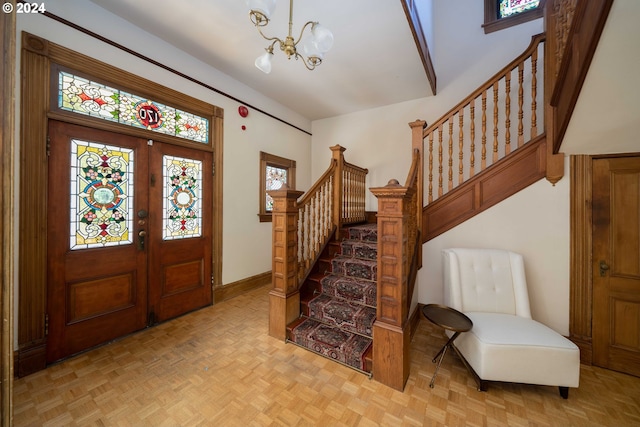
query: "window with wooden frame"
275, 173
501, 14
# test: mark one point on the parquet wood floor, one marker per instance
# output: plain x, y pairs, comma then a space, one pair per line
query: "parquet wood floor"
219, 367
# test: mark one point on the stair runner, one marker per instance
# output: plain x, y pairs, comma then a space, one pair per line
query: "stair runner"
339, 311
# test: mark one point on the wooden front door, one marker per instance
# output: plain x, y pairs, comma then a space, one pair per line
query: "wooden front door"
128, 240
616, 264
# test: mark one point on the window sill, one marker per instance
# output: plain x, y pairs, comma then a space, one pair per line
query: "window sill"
521, 18
265, 217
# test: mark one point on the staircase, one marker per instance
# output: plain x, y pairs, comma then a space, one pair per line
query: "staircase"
338, 300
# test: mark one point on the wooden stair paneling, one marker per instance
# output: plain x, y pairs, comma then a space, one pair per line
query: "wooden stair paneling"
506, 177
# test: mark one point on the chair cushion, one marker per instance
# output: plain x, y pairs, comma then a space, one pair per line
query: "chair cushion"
503, 347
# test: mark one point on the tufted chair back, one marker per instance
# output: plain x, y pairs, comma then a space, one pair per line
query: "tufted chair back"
485, 280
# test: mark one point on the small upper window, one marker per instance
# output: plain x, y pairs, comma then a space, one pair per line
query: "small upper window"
275, 172
501, 14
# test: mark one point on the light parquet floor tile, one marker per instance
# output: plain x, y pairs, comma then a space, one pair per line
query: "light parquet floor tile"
219, 367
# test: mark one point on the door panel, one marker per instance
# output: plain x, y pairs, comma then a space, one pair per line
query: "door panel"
616, 264
97, 291
180, 222
129, 234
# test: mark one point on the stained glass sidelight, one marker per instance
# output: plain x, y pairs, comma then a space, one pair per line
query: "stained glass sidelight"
182, 196
512, 7
276, 178
83, 96
101, 195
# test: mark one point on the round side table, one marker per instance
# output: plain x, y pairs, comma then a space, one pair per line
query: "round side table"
450, 319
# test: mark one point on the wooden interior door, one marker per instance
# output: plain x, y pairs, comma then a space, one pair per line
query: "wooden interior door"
97, 274
180, 225
129, 235
616, 264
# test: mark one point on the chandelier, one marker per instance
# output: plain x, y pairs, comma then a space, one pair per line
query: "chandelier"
314, 45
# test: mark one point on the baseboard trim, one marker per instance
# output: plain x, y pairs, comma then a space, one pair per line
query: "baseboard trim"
234, 289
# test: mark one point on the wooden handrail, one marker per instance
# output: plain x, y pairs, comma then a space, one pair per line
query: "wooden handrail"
535, 41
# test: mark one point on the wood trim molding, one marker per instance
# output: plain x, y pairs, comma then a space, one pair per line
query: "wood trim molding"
32, 251
511, 174
415, 24
231, 290
586, 28
7, 150
580, 273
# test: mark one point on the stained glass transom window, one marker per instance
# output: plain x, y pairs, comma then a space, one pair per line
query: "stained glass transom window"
182, 195
512, 7
101, 195
276, 178
83, 96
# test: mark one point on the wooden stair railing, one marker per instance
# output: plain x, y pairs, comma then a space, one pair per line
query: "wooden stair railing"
498, 117
399, 257
488, 146
302, 228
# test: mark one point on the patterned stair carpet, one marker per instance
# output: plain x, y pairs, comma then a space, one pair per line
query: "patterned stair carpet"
339, 320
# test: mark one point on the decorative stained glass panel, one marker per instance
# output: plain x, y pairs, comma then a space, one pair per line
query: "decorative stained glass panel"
101, 195
79, 95
512, 7
182, 196
276, 178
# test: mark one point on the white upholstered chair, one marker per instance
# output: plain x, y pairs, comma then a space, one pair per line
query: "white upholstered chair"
505, 344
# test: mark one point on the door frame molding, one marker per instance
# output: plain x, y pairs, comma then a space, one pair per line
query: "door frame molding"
581, 242
38, 55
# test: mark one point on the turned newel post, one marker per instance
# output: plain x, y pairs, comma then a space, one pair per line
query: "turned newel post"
284, 298
338, 158
391, 329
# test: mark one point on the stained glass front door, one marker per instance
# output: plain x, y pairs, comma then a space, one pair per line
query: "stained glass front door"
128, 232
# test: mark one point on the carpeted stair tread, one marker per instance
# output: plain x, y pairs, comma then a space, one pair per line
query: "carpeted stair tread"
367, 232
355, 267
338, 300
349, 288
346, 315
332, 342
362, 249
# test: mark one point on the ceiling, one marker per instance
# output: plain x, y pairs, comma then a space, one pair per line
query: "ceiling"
352, 77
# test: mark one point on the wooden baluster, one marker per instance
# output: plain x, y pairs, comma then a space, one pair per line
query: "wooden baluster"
440, 168
472, 136
460, 146
483, 157
520, 103
450, 171
534, 83
507, 112
431, 167
495, 123
327, 206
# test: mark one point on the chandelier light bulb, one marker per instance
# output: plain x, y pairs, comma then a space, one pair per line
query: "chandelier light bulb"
323, 37
263, 62
264, 7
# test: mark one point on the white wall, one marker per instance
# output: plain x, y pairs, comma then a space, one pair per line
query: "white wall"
246, 241
535, 223
380, 140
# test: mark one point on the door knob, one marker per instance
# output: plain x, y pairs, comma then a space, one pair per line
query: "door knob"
142, 213
141, 235
603, 268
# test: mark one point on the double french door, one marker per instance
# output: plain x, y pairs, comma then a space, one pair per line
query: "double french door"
129, 235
